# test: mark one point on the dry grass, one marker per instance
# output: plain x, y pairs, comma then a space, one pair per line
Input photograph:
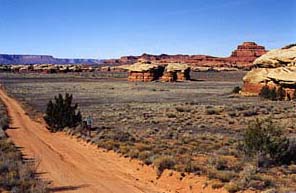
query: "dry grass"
17, 175
151, 121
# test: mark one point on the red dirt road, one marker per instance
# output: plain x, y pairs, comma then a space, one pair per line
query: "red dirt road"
75, 166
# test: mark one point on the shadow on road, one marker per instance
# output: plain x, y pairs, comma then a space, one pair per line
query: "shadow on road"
67, 188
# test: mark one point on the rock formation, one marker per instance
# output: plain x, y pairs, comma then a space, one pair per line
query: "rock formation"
278, 58
246, 53
144, 72
242, 57
47, 68
176, 72
276, 68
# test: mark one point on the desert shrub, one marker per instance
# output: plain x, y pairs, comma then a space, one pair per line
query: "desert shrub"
213, 110
133, 153
223, 176
109, 145
115, 135
217, 185
250, 179
264, 92
124, 149
232, 187
287, 152
4, 122
17, 175
218, 162
236, 90
265, 140
164, 162
171, 115
146, 157
61, 113
273, 93
183, 109
249, 113
192, 167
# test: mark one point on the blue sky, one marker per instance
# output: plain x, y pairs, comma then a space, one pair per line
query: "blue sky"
113, 28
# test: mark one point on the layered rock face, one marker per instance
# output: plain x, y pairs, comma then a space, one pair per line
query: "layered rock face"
276, 68
176, 72
147, 72
242, 57
246, 53
144, 72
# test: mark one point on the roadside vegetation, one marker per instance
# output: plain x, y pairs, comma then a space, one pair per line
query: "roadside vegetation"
17, 175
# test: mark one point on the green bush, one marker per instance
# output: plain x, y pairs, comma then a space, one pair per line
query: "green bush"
265, 140
61, 113
273, 93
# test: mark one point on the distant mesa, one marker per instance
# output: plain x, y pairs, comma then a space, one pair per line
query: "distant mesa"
276, 68
42, 59
242, 57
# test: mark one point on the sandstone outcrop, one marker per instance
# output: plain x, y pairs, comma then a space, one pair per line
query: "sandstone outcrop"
144, 72
278, 58
176, 72
276, 68
242, 57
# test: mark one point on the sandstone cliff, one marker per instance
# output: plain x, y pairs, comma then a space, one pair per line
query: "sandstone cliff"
276, 68
242, 57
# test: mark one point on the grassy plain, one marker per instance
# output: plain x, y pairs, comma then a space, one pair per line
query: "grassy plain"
193, 126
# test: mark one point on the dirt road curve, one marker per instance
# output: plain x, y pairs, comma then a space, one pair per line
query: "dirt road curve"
75, 166
72, 166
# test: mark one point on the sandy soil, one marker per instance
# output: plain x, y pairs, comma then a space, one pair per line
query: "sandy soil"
75, 166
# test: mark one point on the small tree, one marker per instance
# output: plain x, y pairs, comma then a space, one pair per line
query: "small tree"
61, 113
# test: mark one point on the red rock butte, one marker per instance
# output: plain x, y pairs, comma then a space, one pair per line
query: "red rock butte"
242, 57
247, 53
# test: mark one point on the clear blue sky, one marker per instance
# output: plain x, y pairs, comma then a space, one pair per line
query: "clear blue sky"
113, 28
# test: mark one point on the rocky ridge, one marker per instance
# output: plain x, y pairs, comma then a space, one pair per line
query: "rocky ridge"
242, 57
